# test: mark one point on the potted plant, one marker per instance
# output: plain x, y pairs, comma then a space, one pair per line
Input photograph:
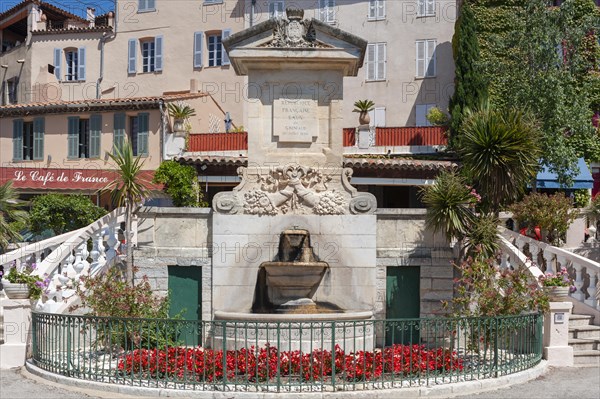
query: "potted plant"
363, 107
180, 112
22, 285
558, 285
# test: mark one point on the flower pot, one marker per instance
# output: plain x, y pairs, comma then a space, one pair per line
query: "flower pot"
558, 294
364, 118
16, 290
178, 125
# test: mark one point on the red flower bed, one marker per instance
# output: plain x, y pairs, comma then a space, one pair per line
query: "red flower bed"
262, 364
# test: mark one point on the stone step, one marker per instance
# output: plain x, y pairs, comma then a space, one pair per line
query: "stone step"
584, 332
576, 320
589, 357
582, 344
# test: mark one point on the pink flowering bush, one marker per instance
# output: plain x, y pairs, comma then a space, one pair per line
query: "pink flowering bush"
263, 364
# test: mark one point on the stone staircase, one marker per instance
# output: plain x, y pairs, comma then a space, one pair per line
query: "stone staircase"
585, 340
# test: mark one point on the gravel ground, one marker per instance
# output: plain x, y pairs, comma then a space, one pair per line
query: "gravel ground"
563, 383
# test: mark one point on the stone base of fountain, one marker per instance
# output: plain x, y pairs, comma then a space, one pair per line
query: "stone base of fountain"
352, 330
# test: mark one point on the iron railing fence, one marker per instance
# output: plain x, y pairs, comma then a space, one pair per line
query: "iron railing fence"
285, 356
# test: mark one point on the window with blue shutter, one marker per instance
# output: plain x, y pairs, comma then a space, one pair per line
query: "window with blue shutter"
38, 139
146, 5
143, 133
119, 131
224, 35
57, 63
81, 60
95, 134
73, 137
158, 53
132, 56
17, 139
198, 39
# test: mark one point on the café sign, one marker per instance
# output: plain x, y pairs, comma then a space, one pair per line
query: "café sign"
46, 177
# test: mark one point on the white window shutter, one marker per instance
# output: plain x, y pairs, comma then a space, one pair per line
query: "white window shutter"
381, 60
430, 7
372, 9
420, 58
224, 35
57, 63
132, 56
381, 9
371, 49
377, 116
431, 58
198, 43
81, 61
421, 113
421, 8
158, 53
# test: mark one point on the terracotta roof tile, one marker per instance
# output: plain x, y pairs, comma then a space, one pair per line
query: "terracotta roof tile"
43, 4
72, 30
79, 105
357, 163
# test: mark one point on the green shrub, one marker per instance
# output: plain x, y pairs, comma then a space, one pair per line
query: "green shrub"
141, 315
62, 213
180, 183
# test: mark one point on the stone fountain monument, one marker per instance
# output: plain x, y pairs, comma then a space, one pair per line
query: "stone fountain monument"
295, 187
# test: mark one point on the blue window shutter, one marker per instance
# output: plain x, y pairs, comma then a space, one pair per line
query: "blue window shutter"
158, 53
224, 35
119, 131
38, 139
57, 62
95, 134
73, 137
143, 133
81, 61
18, 139
132, 56
198, 43
150, 4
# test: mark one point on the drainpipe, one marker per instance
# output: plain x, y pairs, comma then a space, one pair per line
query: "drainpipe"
101, 77
161, 104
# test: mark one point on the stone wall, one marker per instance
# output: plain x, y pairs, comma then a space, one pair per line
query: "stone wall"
184, 237
402, 240
175, 237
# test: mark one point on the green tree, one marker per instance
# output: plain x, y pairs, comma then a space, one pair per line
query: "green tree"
499, 151
62, 213
10, 213
542, 59
470, 87
180, 183
128, 190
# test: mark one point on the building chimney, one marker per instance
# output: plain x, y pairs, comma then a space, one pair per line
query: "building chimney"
193, 86
91, 16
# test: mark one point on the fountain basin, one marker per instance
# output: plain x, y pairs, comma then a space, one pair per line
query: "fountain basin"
293, 280
352, 330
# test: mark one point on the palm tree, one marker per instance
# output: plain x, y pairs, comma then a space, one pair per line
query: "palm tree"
128, 190
449, 204
9, 212
499, 151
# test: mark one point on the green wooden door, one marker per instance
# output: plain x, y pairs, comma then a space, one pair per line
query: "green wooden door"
185, 287
403, 300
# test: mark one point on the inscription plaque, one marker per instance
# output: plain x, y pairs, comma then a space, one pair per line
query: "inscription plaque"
295, 121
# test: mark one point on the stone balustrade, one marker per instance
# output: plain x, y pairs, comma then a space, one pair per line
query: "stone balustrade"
585, 272
64, 259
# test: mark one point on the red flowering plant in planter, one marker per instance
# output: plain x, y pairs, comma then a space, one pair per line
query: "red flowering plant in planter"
267, 363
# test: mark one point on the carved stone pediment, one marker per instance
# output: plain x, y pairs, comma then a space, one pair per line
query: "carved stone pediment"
281, 41
295, 189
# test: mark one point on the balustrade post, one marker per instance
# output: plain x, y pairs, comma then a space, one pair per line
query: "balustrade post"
579, 295
535, 250
97, 254
549, 257
113, 240
593, 290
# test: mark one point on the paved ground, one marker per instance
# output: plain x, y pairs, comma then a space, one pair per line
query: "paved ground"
563, 383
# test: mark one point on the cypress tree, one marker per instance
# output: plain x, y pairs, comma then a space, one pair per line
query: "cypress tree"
470, 87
